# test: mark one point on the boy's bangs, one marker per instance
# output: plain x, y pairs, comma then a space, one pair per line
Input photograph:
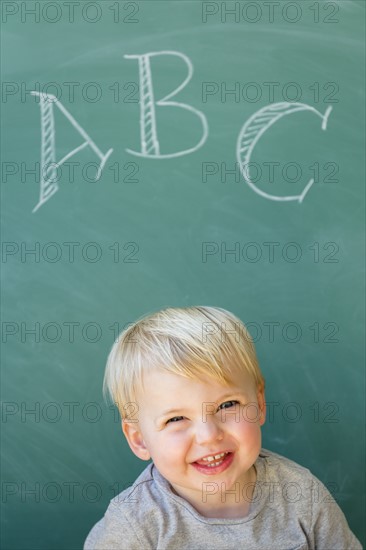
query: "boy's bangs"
198, 343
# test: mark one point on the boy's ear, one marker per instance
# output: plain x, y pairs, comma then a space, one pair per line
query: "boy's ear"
262, 404
134, 438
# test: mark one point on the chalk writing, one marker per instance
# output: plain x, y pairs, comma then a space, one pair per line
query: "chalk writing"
149, 140
250, 134
48, 184
256, 126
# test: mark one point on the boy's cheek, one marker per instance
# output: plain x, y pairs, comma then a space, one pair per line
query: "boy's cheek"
248, 432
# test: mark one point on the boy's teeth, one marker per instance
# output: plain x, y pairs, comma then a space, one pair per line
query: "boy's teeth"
214, 459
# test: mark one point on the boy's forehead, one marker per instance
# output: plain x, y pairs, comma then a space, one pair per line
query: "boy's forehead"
159, 383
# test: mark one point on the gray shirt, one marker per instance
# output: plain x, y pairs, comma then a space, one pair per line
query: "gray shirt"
290, 510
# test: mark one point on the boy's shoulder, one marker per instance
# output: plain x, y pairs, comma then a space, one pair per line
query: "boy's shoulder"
124, 522
150, 495
143, 483
283, 465
283, 471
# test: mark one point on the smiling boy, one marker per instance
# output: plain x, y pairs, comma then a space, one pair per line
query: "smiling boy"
191, 396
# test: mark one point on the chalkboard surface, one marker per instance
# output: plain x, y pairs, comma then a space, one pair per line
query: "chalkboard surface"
170, 154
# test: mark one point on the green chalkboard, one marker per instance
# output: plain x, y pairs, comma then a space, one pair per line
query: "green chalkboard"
178, 153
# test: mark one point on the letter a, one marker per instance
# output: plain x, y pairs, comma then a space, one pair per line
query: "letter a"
149, 141
48, 148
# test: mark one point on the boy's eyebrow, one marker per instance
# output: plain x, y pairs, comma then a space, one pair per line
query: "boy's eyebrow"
230, 394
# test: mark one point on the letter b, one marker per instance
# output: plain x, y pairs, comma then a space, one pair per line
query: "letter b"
149, 139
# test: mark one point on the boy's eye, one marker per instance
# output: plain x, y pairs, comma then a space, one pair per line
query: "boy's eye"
229, 403
174, 419
225, 405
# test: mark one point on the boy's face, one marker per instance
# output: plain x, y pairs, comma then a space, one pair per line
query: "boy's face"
208, 419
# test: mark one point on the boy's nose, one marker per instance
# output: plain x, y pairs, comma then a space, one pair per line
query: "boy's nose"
207, 431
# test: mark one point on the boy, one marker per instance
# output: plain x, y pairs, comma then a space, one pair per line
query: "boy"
191, 397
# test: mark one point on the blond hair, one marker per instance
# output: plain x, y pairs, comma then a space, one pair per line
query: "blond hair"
194, 342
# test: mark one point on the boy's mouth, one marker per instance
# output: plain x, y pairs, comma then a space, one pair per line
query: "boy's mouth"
214, 464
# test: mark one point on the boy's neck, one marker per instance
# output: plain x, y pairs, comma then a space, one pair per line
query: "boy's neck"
226, 506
